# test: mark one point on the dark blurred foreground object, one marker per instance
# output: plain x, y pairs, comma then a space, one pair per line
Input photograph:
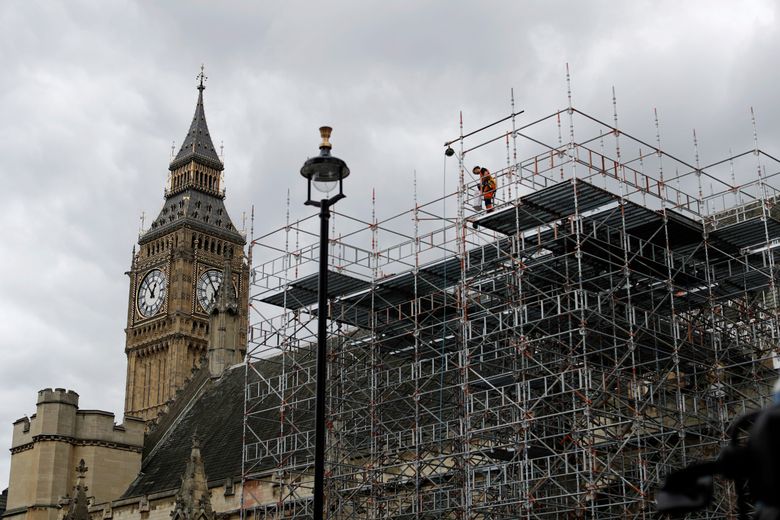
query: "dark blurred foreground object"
753, 466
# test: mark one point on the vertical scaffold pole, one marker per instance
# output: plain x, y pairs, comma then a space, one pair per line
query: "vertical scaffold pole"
518, 168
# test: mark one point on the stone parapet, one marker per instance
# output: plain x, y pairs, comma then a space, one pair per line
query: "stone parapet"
58, 395
97, 425
58, 418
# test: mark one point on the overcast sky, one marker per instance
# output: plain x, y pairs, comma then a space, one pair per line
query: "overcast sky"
94, 92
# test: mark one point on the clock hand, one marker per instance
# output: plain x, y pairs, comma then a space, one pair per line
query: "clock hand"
213, 287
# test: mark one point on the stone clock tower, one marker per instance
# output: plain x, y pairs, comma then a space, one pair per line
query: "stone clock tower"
183, 259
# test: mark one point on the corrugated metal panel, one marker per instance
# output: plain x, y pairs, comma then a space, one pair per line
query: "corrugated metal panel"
304, 291
546, 205
748, 233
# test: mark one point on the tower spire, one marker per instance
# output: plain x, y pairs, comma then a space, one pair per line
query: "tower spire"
197, 145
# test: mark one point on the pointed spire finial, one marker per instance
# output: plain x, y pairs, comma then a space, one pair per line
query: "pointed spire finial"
193, 500
78, 506
197, 143
201, 78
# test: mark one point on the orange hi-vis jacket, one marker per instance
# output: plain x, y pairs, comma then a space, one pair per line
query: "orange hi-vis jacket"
487, 186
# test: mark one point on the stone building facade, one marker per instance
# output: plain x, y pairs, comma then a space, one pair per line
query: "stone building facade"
47, 445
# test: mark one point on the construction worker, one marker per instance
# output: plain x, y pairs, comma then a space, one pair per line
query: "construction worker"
486, 186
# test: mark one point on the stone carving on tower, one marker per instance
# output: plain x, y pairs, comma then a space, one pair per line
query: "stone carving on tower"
193, 501
176, 274
78, 504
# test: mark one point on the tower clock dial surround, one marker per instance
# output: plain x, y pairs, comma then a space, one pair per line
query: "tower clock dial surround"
151, 293
206, 290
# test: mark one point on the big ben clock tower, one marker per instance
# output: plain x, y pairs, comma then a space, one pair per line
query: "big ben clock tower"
181, 262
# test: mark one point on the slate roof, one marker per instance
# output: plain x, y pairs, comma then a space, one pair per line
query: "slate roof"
197, 144
216, 415
197, 210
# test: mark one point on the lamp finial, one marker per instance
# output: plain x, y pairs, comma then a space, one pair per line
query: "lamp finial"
325, 134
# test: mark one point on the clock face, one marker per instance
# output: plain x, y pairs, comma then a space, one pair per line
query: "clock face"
151, 293
208, 285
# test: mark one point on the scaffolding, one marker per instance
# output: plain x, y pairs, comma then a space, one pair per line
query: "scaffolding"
554, 358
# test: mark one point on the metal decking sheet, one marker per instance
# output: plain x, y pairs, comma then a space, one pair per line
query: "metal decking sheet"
303, 292
546, 205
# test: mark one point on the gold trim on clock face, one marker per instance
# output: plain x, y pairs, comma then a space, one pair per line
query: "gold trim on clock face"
151, 293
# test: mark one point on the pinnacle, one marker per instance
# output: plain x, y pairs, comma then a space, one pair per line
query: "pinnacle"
197, 144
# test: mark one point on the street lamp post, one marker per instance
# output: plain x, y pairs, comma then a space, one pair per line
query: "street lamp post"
325, 172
